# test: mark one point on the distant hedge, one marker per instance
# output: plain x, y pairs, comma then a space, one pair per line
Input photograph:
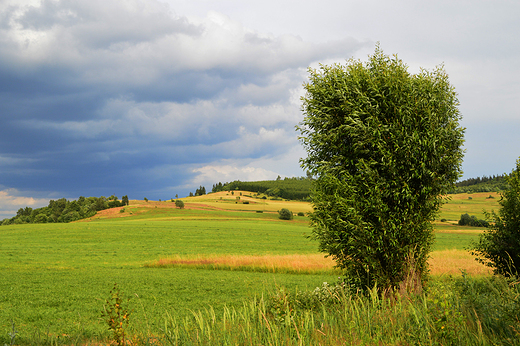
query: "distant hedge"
467, 220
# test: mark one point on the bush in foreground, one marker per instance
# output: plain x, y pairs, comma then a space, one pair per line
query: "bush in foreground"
385, 145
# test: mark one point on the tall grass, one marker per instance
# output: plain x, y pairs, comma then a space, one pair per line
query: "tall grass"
455, 261
462, 311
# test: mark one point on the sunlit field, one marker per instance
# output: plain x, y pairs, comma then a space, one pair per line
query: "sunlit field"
218, 252
471, 203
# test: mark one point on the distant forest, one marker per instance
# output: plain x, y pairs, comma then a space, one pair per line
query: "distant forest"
493, 183
63, 210
288, 188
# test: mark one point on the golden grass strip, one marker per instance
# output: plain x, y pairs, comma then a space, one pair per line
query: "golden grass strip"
453, 262
295, 263
446, 262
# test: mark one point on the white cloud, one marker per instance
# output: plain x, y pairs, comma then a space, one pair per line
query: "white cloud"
223, 172
263, 168
145, 42
11, 200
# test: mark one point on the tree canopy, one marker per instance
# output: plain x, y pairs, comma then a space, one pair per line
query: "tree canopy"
384, 146
499, 247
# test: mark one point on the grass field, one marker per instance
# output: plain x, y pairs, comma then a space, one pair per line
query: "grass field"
471, 203
216, 252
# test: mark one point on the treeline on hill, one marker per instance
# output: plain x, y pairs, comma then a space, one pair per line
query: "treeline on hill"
63, 210
485, 184
299, 188
296, 188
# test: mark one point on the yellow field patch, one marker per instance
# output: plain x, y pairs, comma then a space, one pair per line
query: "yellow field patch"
453, 262
267, 263
446, 262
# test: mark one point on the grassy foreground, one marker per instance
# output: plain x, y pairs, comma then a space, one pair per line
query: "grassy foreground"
221, 272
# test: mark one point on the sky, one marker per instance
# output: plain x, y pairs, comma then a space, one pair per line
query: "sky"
154, 98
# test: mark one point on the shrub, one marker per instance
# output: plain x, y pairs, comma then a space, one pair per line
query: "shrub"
116, 315
179, 204
499, 246
301, 213
285, 214
467, 220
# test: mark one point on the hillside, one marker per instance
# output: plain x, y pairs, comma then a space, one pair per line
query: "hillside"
288, 188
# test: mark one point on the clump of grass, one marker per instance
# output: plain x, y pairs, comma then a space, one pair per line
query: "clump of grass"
12, 334
289, 264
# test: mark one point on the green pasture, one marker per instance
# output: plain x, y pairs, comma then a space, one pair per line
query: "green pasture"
471, 203
56, 277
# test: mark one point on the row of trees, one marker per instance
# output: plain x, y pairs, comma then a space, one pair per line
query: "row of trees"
63, 210
484, 184
479, 180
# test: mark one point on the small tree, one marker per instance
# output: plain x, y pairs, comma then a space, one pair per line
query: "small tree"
499, 246
179, 204
285, 214
384, 146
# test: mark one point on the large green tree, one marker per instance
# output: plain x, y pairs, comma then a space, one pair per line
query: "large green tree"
384, 145
499, 247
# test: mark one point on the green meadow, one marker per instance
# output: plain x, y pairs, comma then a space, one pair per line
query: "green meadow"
56, 277
471, 203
